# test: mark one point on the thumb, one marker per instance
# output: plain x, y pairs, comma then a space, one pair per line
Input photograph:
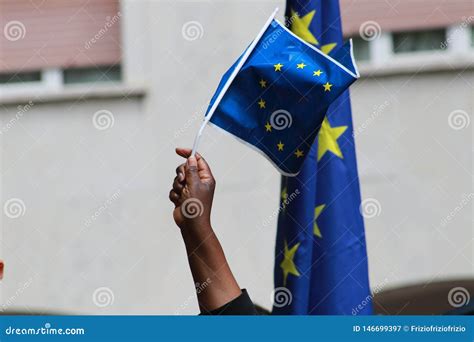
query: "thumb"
192, 175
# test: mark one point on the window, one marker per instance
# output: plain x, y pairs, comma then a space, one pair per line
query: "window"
361, 49
20, 77
418, 40
472, 35
92, 75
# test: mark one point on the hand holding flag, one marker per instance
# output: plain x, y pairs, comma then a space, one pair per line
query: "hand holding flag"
275, 96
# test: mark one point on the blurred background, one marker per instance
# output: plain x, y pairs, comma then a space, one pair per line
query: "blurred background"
95, 95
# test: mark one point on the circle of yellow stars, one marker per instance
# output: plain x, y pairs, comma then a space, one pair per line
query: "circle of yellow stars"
268, 127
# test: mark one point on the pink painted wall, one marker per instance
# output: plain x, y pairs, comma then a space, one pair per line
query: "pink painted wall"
56, 33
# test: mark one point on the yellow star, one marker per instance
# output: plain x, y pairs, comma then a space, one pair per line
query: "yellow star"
268, 127
300, 65
288, 265
261, 103
299, 153
327, 86
317, 212
327, 48
284, 196
280, 146
317, 73
278, 66
327, 139
300, 26
263, 83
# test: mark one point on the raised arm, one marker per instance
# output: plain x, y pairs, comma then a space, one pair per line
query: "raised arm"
192, 195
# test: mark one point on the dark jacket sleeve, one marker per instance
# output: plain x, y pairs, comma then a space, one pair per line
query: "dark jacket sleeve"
242, 305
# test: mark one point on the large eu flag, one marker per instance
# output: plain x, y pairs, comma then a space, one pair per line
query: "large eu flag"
274, 98
320, 257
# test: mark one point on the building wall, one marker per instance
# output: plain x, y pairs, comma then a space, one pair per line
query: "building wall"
96, 208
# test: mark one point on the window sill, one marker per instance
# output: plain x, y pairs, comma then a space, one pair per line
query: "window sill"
417, 63
40, 94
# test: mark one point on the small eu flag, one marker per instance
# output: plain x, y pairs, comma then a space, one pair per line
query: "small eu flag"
274, 98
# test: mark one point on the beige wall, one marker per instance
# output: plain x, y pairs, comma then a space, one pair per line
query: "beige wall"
65, 170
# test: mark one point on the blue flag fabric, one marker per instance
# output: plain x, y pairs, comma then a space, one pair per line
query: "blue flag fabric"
320, 254
277, 101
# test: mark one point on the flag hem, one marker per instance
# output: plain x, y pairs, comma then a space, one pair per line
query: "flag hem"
339, 64
256, 149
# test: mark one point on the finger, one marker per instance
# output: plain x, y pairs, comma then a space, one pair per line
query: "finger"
177, 185
204, 168
183, 152
174, 197
186, 153
205, 172
180, 172
192, 172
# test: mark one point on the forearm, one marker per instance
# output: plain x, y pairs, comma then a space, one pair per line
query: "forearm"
211, 273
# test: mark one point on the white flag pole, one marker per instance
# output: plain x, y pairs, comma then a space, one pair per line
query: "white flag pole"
230, 79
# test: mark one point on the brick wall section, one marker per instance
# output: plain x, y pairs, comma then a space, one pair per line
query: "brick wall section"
401, 15
56, 33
